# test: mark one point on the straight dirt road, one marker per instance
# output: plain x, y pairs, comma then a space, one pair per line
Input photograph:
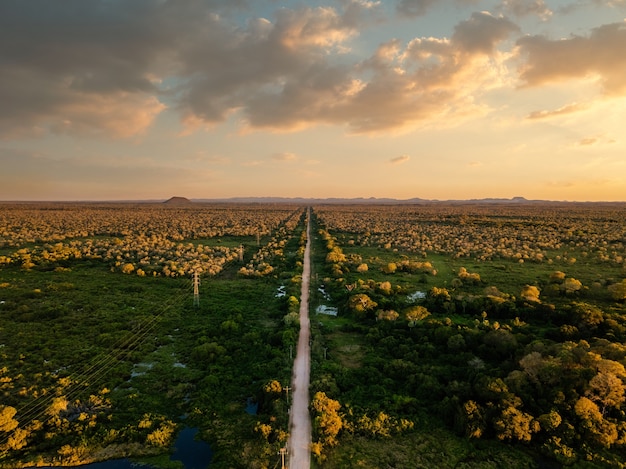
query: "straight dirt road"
299, 453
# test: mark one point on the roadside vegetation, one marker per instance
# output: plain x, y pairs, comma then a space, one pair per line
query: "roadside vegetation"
103, 353
471, 336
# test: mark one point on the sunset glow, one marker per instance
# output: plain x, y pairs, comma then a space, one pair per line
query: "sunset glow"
451, 99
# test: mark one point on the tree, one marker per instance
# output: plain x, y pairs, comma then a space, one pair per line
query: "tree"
474, 421
587, 315
570, 285
328, 422
415, 314
386, 315
606, 389
7, 422
385, 287
335, 256
513, 424
600, 430
361, 303
530, 293
273, 387
550, 421
618, 290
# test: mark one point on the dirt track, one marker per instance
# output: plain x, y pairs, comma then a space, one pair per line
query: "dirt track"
299, 453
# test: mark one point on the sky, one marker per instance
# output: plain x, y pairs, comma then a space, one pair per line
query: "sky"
435, 99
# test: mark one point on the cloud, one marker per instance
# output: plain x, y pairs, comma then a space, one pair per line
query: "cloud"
79, 68
36, 176
413, 8
482, 32
561, 184
285, 156
110, 68
521, 8
602, 54
587, 141
427, 79
202, 156
569, 109
400, 159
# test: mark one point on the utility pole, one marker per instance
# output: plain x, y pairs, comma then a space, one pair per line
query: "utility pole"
196, 289
287, 389
283, 453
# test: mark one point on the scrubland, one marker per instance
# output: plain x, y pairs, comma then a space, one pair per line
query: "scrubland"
465, 335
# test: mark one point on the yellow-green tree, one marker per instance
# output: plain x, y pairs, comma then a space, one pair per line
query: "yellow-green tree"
513, 424
618, 290
7, 422
361, 303
530, 293
415, 314
328, 422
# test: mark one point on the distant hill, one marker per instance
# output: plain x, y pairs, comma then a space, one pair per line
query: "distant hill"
178, 201
364, 200
390, 201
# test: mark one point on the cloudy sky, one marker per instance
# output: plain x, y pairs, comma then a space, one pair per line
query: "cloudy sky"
438, 99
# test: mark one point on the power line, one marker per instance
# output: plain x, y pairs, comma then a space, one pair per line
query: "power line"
103, 364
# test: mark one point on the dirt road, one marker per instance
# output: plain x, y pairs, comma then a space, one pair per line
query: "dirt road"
299, 453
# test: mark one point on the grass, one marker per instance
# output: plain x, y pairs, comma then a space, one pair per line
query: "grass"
427, 447
140, 337
159, 354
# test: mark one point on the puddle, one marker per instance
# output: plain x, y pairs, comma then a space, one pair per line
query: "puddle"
328, 310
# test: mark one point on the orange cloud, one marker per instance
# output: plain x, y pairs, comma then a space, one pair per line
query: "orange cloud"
400, 159
602, 54
569, 109
285, 156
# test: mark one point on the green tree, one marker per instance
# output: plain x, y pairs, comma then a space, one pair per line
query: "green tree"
473, 419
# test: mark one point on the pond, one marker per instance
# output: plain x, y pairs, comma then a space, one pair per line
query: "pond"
194, 454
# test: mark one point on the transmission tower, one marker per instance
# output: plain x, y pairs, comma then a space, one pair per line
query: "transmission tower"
196, 289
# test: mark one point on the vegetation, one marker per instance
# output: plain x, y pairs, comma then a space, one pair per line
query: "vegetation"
466, 335
498, 328
103, 353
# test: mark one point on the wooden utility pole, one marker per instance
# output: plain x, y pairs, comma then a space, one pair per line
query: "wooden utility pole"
196, 289
287, 389
283, 453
